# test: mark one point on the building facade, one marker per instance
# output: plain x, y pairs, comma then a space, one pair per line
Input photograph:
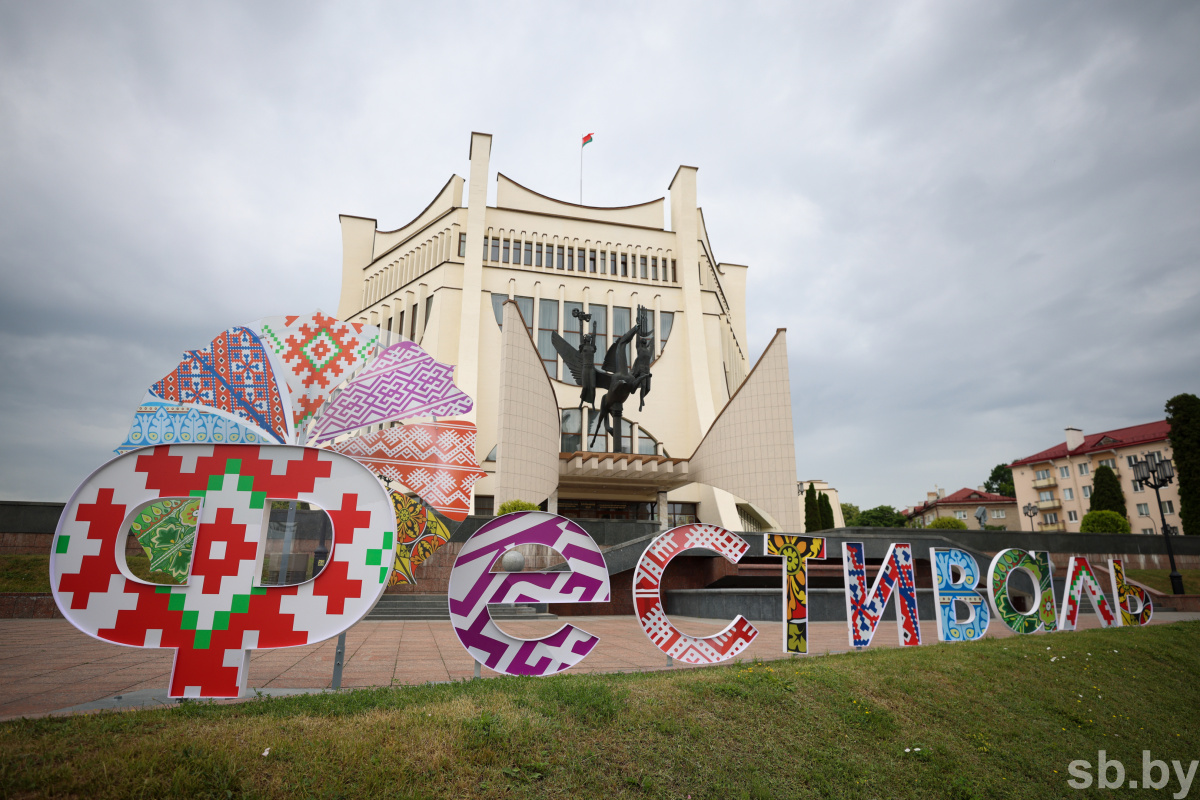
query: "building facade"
451, 280
1001, 511
1059, 480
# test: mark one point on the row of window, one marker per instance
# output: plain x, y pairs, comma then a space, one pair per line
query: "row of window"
1143, 510
574, 440
574, 259
412, 321
997, 513
547, 322
1168, 507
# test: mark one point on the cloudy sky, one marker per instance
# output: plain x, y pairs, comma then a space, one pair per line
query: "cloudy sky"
979, 222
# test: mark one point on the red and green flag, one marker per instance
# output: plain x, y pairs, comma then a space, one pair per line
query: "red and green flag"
587, 139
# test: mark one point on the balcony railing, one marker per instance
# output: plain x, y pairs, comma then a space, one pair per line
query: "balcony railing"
1049, 505
1053, 526
1046, 483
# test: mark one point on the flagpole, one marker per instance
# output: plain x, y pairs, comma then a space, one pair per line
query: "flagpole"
581, 173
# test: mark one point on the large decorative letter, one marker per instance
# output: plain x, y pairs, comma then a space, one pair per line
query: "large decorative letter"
1040, 568
473, 585
647, 595
1080, 578
863, 610
796, 550
947, 590
1126, 595
221, 613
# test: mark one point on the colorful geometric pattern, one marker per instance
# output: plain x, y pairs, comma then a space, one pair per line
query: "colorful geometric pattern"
473, 586
221, 613
864, 610
1080, 579
947, 591
796, 550
403, 383
647, 595
418, 534
320, 353
162, 423
1040, 568
435, 460
167, 530
232, 374
1127, 595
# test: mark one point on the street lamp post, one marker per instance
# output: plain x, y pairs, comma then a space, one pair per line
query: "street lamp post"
1030, 510
1157, 474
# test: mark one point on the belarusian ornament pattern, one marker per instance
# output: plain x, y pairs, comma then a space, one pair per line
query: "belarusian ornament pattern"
435, 460
473, 586
163, 423
1128, 595
947, 590
1080, 580
865, 608
404, 383
418, 535
796, 550
320, 353
1041, 569
647, 595
221, 614
166, 531
232, 374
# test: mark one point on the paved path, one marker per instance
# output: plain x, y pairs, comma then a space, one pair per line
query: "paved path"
48, 665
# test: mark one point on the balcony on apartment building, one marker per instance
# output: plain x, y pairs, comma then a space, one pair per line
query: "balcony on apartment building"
1046, 483
1051, 527
1049, 505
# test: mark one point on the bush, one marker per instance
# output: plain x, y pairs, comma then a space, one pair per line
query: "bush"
517, 505
1107, 494
1104, 522
948, 524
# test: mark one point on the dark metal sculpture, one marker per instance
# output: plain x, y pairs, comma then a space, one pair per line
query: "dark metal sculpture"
616, 377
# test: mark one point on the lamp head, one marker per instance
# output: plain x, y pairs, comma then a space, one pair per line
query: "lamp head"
1141, 470
1165, 471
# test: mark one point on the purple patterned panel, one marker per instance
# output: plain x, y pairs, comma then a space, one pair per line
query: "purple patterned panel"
473, 586
403, 383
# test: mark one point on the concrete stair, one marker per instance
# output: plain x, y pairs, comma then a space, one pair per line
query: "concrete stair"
404, 607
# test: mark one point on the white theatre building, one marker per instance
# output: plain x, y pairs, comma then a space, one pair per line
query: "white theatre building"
714, 441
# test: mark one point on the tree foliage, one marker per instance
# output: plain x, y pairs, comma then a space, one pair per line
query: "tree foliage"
510, 506
1103, 522
948, 524
1001, 481
812, 511
1107, 494
880, 517
850, 514
1183, 414
826, 509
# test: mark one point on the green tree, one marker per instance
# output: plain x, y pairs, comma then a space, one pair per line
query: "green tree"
1183, 414
812, 511
880, 517
1106, 491
1001, 481
510, 506
850, 514
1103, 522
948, 524
826, 509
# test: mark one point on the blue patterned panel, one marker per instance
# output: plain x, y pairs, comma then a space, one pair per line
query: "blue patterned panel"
162, 423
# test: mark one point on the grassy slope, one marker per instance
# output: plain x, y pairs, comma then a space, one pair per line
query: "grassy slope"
996, 718
31, 573
1160, 579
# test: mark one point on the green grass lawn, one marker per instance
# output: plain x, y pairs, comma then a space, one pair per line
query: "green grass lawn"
1160, 579
990, 719
31, 573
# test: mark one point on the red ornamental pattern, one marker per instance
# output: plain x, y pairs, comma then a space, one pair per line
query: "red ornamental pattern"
647, 596
435, 460
231, 374
221, 614
1080, 579
320, 353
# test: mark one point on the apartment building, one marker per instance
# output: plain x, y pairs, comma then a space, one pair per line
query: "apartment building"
1059, 480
